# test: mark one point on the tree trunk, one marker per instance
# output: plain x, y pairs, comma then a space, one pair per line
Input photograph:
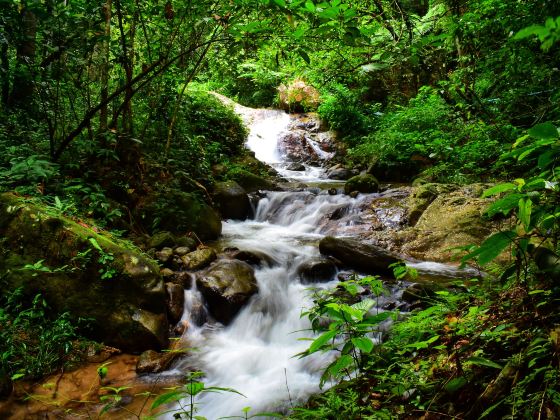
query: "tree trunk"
22, 90
105, 50
5, 74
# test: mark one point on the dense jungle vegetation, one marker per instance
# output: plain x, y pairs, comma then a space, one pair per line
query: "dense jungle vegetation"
106, 121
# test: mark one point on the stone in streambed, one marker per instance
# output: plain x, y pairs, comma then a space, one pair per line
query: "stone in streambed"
153, 362
358, 255
175, 301
362, 183
164, 255
317, 270
231, 200
162, 240
199, 259
253, 257
227, 286
298, 167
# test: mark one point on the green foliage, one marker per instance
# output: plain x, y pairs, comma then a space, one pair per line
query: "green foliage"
32, 343
428, 135
351, 326
185, 397
344, 111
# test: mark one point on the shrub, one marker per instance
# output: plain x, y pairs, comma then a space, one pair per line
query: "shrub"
344, 111
428, 135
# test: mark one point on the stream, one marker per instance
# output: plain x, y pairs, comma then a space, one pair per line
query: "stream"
255, 354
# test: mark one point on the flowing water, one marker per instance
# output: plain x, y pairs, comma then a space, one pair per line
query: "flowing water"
256, 354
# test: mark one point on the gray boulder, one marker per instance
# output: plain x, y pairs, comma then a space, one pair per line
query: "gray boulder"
361, 256
227, 285
317, 270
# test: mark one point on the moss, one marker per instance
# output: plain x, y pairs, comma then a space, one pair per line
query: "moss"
71, 274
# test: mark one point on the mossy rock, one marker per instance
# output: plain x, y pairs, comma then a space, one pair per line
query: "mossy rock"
249, 181
231, 200
362, 183
179, 213
126, 309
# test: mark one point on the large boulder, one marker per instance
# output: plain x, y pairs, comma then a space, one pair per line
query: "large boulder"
179, 212
339, 172
362, 183
250, 181
227, 285
361, 256
88, 274
317, 270
231, 200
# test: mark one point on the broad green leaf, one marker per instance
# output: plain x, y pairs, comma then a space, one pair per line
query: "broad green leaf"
167, 398
500, 188
320, 341
545, 131
528, 31
194, 388
491, 247
364, 305
504, 205
309, 5
481, 361
363, 343
525, 206
304, 55
455, 384
342, 363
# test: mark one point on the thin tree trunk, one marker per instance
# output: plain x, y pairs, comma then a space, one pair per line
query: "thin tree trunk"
105, 50
22, 89
5, 74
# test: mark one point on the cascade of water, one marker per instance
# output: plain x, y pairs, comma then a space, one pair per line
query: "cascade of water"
255, 354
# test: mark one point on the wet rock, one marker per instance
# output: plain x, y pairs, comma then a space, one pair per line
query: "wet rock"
186, 242
296, 167
295, 147
164, 255
231, 200
332, 191
198, 313
362, 256
183, 250
338, 172
162, 239
167, 273
252, 257
354, 194
362, 183
199, 259
153, 362
175, 301
227, 285
316, 270
183, 279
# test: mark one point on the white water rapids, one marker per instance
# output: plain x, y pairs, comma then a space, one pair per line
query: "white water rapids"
255, 355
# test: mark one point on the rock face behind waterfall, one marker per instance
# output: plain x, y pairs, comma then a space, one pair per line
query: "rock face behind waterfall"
368, 258
126, 309
227, 285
